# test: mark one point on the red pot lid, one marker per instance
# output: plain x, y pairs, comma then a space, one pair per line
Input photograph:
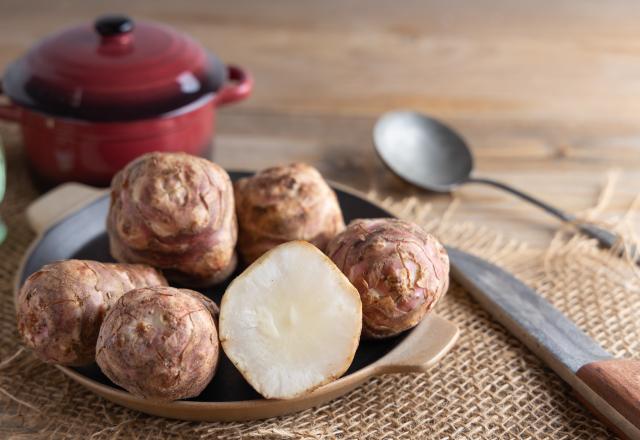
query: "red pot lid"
114, 70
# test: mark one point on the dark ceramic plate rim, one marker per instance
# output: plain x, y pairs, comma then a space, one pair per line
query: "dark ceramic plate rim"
110, 388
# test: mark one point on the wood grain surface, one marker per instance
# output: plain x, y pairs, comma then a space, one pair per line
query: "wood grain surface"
547, 93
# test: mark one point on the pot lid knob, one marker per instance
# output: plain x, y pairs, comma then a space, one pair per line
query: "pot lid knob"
113, 25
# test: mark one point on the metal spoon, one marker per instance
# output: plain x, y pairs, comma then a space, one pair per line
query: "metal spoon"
428, 154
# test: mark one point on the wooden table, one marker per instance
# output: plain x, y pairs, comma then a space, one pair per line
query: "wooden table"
547, 94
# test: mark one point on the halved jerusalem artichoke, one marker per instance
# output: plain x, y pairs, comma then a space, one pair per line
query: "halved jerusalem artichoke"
291, 321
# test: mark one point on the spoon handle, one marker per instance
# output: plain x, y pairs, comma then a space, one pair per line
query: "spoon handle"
605, 238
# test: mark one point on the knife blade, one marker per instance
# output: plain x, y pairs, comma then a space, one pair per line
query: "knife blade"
609, 387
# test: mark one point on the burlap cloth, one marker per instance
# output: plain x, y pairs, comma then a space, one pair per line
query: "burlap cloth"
489, 386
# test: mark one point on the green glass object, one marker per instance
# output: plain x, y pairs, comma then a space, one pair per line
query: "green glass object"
3, 184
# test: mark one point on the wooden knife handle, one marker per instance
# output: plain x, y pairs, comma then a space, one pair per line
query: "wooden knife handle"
616, 382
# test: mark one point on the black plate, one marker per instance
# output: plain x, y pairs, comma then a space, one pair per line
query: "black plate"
83, 235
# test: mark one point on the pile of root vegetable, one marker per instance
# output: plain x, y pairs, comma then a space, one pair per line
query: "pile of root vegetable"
290, 322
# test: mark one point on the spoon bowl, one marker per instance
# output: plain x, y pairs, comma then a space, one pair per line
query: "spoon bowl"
423, 151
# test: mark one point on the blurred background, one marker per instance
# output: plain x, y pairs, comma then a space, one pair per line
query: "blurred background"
546, 93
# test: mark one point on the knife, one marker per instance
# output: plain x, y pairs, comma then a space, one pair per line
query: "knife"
608, 387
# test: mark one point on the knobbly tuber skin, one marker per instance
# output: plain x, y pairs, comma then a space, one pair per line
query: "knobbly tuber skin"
285, 203
176, 212
160, 343
61, 306
400, 271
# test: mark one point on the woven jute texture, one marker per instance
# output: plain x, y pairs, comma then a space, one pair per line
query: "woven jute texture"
488, 387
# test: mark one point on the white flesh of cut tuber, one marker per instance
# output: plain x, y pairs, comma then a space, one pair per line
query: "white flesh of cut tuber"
291, 321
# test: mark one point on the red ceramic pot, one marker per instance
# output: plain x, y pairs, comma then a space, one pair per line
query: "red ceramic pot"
92, 98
